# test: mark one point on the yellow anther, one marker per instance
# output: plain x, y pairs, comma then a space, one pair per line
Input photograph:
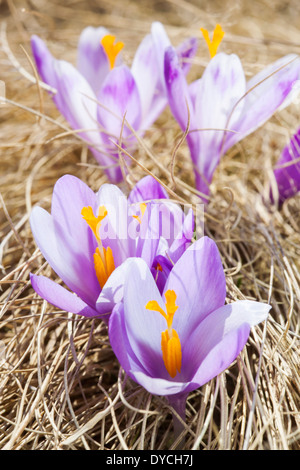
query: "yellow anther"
104, 265
111, 49
103, 258
216, 40
93, 221
170, 342
143, 207
171, 352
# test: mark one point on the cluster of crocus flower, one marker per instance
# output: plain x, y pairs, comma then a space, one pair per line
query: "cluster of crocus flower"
171, 333
89, 235
108, 103
104, 100
133, 261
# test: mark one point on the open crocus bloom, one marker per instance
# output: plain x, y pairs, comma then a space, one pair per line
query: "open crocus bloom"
173, 343
89, 238
287, 169
223, 107
96, 96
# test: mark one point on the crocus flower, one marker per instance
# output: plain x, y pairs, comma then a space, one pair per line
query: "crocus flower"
176, 227
287, 169
89, 237
96, 96
173, 343
222, 107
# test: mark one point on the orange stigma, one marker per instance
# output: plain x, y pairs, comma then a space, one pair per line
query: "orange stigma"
159, 268
213, 45
93, 221
103, 258
170, 342
111, 48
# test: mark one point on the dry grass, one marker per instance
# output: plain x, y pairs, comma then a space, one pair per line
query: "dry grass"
60, 384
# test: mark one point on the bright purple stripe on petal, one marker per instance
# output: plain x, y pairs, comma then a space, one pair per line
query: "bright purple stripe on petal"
286, 172
186, 51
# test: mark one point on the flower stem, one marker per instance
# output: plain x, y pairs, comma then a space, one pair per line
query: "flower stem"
178, 403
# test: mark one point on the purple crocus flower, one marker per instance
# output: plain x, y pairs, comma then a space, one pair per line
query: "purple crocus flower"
176, 227
173, 343
89, 238
223, 107
97, 95
287, 170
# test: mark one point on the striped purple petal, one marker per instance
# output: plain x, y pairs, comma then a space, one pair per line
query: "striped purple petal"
92, 61
287, 169
60, 297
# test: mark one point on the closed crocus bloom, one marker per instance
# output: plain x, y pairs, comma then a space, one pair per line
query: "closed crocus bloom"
89, 238
176, 227
95, 96
223, 107
174, 342
287, 170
